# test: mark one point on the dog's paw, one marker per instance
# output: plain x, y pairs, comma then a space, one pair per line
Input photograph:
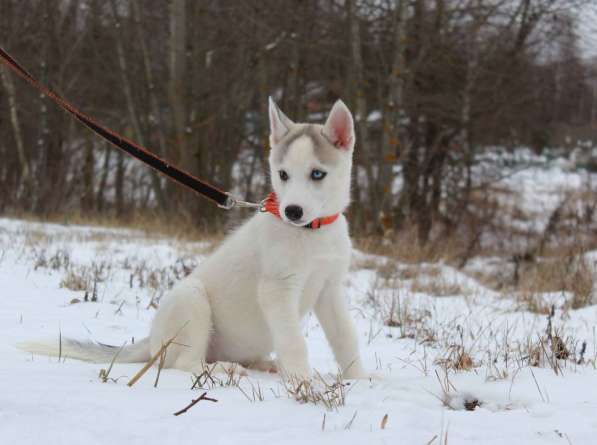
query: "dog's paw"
268, 366
362, 375
296, 374
229, 368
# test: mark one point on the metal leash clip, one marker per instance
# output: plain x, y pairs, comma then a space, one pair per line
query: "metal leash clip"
232, 202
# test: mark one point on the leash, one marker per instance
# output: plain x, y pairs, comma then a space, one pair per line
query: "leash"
222, 199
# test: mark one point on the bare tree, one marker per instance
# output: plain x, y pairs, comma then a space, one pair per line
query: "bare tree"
431, 84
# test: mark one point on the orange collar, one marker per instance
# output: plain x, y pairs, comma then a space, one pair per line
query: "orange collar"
270, 205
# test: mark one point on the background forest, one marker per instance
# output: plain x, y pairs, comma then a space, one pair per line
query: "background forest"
434, 86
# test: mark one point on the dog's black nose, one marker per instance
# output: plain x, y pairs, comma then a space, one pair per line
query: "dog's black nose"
293, 213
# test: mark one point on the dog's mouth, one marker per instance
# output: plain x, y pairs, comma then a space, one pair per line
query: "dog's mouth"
298, 223
303, 222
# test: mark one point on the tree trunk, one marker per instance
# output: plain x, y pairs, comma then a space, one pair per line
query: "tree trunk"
358, 86
156, 123
119, 184
177, 90
471, 73
392, 137
594, 103
101, 190
8, 85
88, 180
133, 111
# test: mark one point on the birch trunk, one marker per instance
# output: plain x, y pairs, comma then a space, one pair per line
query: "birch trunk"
101, 191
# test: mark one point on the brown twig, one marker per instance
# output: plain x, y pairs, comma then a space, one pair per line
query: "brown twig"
193, 403
153, 359
160, 367
149, 364
384, 422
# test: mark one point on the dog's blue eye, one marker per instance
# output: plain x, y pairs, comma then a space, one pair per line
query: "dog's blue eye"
317, 175
283, 175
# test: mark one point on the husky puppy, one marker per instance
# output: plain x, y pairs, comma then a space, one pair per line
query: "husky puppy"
247, 299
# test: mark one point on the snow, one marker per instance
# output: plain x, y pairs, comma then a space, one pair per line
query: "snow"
374, 116
45, 400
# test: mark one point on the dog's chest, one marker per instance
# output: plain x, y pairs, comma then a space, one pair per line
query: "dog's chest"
312, 290
324, 261
305, 258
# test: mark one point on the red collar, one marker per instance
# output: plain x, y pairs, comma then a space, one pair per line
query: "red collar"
270, 205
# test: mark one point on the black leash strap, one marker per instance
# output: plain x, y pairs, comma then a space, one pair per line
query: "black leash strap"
222, 199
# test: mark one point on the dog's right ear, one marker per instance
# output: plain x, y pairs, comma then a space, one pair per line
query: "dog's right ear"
279, 123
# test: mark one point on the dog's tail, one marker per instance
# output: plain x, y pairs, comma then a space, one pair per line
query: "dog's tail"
89, 351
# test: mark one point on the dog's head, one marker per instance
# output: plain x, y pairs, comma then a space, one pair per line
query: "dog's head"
310, 164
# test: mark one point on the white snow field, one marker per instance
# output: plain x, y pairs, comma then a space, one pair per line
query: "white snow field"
436, 356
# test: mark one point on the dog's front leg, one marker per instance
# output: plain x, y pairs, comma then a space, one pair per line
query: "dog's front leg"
332, 312
279, 302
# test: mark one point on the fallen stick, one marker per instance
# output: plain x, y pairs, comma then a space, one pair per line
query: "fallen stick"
193, 403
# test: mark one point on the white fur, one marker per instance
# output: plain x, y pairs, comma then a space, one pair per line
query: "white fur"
247, 299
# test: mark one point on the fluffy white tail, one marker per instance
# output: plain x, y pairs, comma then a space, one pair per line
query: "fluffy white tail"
89, 351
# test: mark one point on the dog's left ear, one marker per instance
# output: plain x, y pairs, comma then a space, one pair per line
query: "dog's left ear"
339, 128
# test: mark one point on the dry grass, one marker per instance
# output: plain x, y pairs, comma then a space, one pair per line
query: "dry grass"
409, 272
417, 271
423, 278
60, 259
158, 278
329, 393
457, 359
86, 278
552, 349
75, 281
570, 273
149, 222
210, 378
104, 374
405, 247
414, 323
438, 287
533, 302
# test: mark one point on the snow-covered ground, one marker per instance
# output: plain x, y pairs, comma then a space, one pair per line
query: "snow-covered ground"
439, 339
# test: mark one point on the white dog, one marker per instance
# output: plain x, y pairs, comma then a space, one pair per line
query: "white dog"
248, 298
